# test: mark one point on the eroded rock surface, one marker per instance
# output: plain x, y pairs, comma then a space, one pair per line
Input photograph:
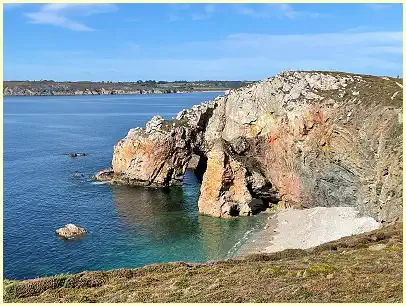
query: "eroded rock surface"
300, 139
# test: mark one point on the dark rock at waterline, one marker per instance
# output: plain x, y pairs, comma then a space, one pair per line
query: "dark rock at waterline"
78, 174
75, 154
104, 175
71, 231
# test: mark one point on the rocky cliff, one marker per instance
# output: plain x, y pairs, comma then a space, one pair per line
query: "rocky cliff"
53, 88
299, 139
64, 90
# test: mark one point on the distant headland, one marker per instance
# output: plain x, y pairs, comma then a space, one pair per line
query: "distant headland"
54, 88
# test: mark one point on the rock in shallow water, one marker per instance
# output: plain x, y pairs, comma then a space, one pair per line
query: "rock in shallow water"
104, 175
75, 154
78, 174
71, 231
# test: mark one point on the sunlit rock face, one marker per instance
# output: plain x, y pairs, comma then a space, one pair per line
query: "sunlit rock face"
300, 139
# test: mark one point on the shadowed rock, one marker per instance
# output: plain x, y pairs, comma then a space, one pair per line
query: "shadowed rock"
104, 175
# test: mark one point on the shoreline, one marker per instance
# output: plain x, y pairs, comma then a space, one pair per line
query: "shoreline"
306, 229
121, 94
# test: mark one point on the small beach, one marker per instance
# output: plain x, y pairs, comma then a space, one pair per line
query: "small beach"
306, 228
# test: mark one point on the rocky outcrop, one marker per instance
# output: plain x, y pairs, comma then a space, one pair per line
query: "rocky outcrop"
300, 139
75, 154
158, 155
71, 231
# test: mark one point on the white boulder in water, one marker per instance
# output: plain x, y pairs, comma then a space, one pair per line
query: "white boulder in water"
71, 231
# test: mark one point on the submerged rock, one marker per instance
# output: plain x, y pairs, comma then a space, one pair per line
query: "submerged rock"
75, 154
78, 174
288, 139
71, 231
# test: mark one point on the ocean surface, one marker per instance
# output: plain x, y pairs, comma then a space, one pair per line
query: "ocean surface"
128, 227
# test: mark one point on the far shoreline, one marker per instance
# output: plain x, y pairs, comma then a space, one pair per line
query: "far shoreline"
122, 94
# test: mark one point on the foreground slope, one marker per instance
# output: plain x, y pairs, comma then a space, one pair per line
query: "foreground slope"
362, 268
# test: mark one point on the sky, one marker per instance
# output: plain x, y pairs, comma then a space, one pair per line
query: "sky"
128, 42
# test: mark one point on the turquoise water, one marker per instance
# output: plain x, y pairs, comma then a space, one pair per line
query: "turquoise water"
128, 227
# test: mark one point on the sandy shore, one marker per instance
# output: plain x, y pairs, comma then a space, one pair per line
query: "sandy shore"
307, 228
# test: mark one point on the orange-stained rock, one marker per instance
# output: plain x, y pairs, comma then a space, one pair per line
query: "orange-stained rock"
212, 184
302, 139
224, 191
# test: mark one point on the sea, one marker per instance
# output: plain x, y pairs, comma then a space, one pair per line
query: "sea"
128, 227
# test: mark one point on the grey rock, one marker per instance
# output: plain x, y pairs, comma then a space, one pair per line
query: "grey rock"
239, 145
104, 175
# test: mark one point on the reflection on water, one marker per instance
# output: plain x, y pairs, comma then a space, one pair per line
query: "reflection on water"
157, 214
172, 217
221, 238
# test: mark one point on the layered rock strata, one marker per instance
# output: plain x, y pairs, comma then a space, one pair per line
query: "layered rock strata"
300, 139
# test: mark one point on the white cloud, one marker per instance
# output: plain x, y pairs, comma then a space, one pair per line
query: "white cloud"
282, 10
61, 15
134, 46
207, 12
288, 46
378, 6
10, 6
236, 56
384, 50
287, 10
362, 28
177, 10
315, 40
191, 11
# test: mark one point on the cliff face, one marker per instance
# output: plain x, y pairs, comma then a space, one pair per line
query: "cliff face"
300, 139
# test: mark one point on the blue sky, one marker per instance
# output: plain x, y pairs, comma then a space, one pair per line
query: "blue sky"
124, 42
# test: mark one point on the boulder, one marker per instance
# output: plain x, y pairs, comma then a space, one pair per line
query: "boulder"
104, 175
71, 231
154, 124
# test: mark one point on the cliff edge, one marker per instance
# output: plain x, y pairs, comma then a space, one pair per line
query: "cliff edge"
299, 139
